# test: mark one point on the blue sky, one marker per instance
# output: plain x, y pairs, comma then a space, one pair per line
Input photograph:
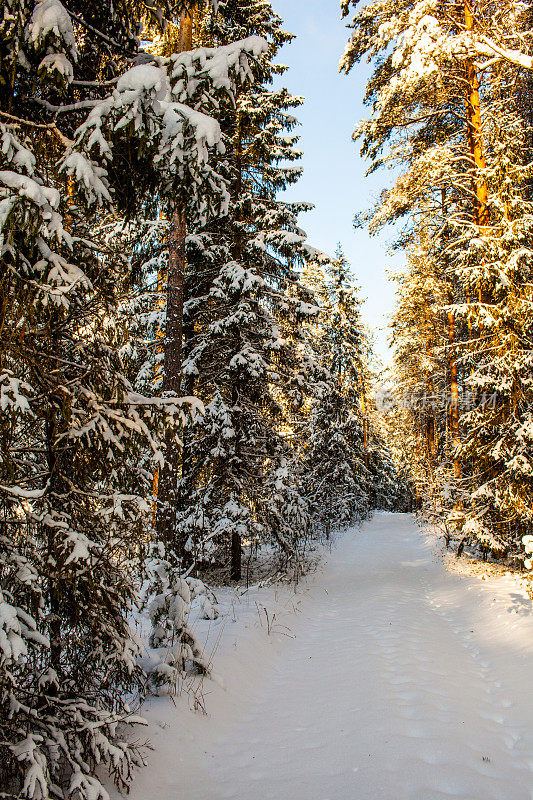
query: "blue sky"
334, 173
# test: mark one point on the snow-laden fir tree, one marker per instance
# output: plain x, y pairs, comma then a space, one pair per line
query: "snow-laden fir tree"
246, 357
243, 352
337, 471
73, 494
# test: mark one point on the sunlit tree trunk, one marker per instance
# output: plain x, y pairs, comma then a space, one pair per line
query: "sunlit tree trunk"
475, 137
430, 428
454, 392
365, 427
453, 376
475, 128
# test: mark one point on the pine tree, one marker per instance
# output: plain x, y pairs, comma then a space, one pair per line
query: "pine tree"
463, 149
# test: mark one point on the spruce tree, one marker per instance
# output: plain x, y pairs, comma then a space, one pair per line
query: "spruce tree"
337, 474
243, 311
73, 491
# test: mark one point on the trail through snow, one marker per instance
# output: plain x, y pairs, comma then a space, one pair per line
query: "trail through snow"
402, 682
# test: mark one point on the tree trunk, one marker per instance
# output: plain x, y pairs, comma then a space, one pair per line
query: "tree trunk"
365, 428
159, 349
236, 557
169, 476
475, 140
430, 427
430, 439
55, 416
453, 377
475, 129
236, 544
53, 556
454, 393
168, 479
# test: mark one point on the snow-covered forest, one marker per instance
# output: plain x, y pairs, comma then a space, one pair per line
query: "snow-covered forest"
192, 413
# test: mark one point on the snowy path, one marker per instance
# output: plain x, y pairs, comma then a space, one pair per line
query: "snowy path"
403, 681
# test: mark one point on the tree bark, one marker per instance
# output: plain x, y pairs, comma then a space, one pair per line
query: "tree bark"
236, 544
475, 128
453, 376
53, 555
454, 392
168, 479
430, 429
236, 557
365, 428
475, 139
169, 476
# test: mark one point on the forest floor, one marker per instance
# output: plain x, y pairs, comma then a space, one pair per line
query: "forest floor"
383, 676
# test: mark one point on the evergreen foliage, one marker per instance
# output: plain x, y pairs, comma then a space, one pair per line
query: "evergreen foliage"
447, 96
116, 140
348, 472
73, 429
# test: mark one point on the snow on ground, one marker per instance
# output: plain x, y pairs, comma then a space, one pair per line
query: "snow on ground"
393, 680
